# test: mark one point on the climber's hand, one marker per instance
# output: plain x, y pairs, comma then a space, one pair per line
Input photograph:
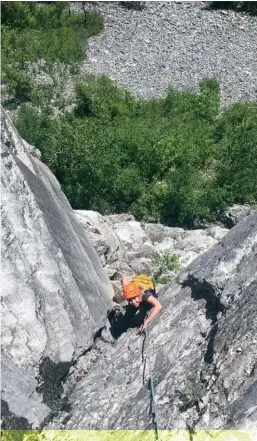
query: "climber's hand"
142, 327
115, 310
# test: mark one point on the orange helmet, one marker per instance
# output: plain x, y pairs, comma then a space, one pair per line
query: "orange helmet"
131, 290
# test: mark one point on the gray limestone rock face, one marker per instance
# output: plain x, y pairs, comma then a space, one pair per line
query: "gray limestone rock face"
188, 245
141, 265
140, 240
123, 217
55, 294
131, 234
202, 349
233, 215
100, 231
108, 246
31, 149
126, 247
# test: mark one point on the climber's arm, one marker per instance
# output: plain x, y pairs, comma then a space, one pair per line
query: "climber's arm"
157, 307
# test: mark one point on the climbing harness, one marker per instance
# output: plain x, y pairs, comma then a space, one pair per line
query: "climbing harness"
150, 383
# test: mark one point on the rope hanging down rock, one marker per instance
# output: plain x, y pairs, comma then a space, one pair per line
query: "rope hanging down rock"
151, 385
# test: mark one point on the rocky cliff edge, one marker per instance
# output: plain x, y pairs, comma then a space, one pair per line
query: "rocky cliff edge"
54, 292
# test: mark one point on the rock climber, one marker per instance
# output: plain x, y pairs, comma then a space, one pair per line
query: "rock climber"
141, 297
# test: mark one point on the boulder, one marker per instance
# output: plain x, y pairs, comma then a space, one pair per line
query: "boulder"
127, 246
108, 246
131, 234
187, 244
123, 217
100, 231
141, 265
217, 232
55, 294
234, 214
31, 149
158, 233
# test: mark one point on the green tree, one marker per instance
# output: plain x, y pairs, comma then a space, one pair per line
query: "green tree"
170, 160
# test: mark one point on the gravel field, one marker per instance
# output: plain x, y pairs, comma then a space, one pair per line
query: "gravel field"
175, 44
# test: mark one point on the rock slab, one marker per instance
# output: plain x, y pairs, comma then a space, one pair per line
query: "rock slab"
54, 292
202, 348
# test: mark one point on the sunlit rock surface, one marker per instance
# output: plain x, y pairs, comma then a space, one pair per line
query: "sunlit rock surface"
125, 246
203, 352
54, 292
60, 367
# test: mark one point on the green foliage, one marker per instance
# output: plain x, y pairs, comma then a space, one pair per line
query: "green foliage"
237, 154
203, 106
18, 14
174, 160
22, 86
31, 32
162, 263
149, 207
101, 98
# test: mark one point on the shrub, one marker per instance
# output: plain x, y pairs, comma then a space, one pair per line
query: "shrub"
22, 87
169, 160
102, 98
162, 263
237, 153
